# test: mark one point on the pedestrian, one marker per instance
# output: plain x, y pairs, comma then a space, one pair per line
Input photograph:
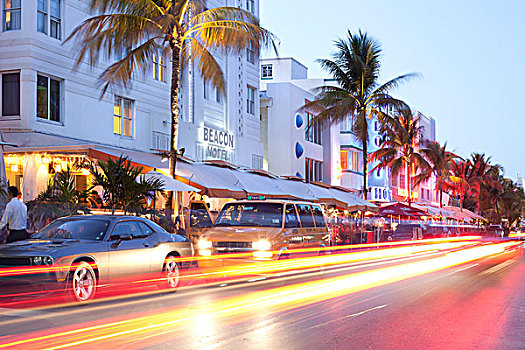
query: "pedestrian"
15, 217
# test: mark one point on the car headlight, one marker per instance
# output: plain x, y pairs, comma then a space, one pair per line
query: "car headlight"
42, 260
262, 245
204, 244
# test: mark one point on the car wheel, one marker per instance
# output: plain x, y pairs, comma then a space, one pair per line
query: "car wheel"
171, 273
83, 282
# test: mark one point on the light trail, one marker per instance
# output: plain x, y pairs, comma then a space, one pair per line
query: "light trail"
32, 270
151, 328
240, 267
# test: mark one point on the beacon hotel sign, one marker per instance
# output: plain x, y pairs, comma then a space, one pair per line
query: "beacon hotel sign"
215, 144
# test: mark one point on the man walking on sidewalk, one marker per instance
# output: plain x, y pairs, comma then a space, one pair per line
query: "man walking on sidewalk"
15, 217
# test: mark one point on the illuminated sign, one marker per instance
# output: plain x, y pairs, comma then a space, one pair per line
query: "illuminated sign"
380, 194
217, 137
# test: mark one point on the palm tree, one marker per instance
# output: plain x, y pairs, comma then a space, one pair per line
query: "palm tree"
481, 177
355, 67
440, 165
123, 188
183, 30
459, 177
399, 149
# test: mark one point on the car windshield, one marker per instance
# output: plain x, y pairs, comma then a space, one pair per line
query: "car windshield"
251, 214
82, 229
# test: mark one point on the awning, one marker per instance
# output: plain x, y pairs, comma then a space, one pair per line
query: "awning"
213, 181
170, 184
435, 211
296, 189
400, 209
352, 201
255, 184
465, 214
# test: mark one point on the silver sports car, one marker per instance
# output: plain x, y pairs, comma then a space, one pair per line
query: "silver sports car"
78, 253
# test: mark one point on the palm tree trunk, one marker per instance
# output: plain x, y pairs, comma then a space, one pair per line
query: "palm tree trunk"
479, 199
175, 79
409, 185
365, 169
440, 195
461, 196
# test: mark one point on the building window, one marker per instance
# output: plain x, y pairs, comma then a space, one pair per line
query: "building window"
267, 71
11, 19
346, 124
250, 6
45, 7
313, 170
250, 54
206, 90
48, 98
123, 111
393, 180
218, 96
55, 19
402, 180
41, 16
159, 67
257, 161
313, 131
351, 159
11, 94
250, 100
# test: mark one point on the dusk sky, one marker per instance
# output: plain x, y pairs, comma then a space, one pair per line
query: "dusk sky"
470, 53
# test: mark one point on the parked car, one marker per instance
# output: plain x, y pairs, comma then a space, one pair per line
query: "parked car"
404, 232
83, 252
495, 231
264, 230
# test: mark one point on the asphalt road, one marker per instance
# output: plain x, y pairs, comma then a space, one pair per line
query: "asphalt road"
473, 306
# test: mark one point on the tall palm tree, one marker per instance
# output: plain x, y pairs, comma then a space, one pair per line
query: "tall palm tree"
355, 67
399, 149
481, 177
459, 177
440, 165
183, 30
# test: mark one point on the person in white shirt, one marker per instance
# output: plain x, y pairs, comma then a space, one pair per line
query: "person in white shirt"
15, 217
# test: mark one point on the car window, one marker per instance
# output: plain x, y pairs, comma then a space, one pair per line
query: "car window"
128, 227
199, 216
146, 230
291, 219
251, 214
318, 216
305, 214
72, 228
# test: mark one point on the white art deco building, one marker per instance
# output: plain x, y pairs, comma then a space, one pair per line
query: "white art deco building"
55, 115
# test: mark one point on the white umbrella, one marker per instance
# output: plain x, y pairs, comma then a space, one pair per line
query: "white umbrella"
169, 183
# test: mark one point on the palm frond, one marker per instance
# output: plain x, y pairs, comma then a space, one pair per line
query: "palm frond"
121, 72
108, 33
210, 69
230, 30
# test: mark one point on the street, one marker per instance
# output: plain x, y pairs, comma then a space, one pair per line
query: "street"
476, 305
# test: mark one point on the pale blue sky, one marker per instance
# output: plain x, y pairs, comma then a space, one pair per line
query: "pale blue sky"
471, 54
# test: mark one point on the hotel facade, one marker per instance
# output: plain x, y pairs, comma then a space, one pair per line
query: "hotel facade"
56, 116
